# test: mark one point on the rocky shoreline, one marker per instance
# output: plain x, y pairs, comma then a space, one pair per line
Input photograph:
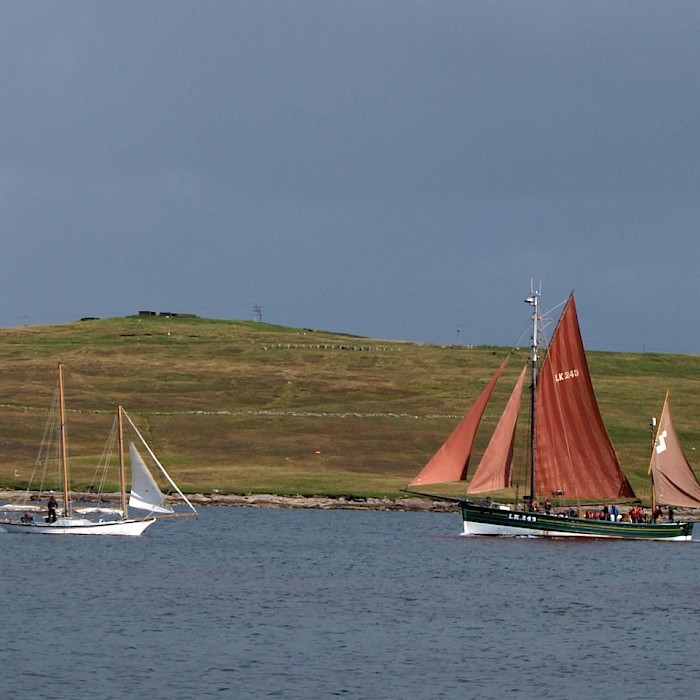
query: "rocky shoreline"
409, 504
327, 503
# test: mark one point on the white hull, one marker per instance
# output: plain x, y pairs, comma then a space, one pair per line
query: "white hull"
80, 526
471, 529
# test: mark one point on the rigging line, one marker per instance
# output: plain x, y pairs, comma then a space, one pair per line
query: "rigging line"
521, 337
546, 319
157, 461
522, 447
47, 448
102, 467
547, 316
553, 309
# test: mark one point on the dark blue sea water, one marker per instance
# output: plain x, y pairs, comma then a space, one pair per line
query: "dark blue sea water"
250, 603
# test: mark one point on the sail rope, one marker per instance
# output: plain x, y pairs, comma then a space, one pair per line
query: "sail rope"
49, 452
99, 478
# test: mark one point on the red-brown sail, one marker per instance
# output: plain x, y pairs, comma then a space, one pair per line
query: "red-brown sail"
574, 457
451, 461
673, 478
495, 471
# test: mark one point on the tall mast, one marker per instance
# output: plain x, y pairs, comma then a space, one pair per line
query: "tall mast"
533, 300
64, 445
652, 427
122, 470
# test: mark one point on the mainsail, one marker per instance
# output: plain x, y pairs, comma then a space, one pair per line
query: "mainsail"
571, 455
673, 479
574, 457
451, 461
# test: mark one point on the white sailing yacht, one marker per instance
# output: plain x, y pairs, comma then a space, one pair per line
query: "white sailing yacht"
145, 495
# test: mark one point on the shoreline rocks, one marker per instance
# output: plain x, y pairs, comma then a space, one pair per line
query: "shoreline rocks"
408, 504
326, 503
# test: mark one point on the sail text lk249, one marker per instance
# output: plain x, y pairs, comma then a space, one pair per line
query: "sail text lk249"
572, 459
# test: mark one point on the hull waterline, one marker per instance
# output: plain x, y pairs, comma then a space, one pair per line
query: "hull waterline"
496, 521
79, 526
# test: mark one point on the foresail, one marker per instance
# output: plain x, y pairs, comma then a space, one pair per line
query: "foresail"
673, 478
451, 461
145, 494
495, 471
161, 469
574, 457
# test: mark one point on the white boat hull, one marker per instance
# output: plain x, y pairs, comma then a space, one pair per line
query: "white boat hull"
80, 526
476, 529
503, 522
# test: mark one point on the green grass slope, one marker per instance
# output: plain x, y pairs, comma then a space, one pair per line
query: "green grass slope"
246, 407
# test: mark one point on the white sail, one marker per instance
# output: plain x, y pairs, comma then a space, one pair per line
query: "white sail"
69, 520
145, 494
156, 461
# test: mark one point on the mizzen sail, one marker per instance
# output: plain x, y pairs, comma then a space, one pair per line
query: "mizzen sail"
673, 479
451, 461
574, 456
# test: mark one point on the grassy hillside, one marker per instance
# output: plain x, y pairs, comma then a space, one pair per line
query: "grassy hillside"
248, 407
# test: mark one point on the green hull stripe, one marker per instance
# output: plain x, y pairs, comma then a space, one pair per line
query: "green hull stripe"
573, 526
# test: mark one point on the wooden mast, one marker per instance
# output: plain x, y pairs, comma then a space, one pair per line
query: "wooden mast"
122, 469
64, 446
655, 427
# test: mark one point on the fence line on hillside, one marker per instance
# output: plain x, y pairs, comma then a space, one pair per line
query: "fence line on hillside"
200, 412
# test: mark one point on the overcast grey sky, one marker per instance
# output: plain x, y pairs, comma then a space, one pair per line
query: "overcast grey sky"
395, 169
